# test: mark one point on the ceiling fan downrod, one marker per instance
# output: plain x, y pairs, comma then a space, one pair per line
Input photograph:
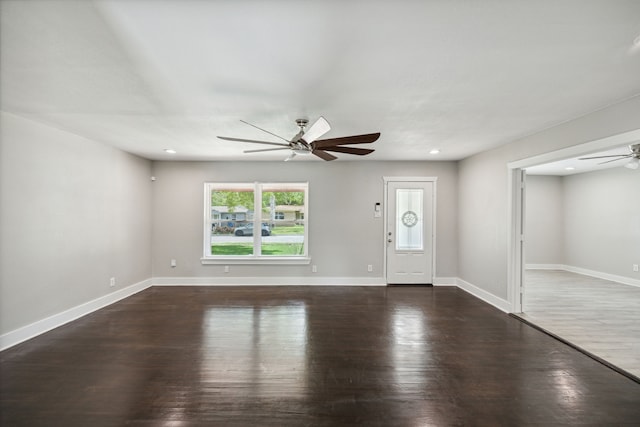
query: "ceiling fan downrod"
299, 145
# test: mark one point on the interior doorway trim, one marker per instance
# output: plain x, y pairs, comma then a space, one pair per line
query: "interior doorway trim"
386, 180
516, 190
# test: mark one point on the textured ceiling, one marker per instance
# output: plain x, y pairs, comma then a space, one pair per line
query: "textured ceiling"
460, 76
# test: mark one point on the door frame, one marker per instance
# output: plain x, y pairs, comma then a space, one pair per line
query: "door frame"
386, 180
516, 190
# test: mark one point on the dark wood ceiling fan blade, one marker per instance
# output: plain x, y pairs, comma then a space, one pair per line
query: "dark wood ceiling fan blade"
602, 157
350, 150
253, 141
324, 155
266, 149
347, 140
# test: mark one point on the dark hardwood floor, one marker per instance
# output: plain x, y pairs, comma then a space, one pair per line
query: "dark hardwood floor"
307, 356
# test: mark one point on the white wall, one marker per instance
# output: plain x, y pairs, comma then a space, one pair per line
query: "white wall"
74, 213
602, 221
545, 240
344, 237
483, 191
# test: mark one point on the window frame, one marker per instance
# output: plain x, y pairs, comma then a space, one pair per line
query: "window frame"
256, 257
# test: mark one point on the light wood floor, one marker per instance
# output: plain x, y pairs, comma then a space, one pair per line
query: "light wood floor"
596, 315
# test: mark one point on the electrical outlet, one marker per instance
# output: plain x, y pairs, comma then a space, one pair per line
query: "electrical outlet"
635, 267
226, 268
112, 282
314, 268
369, 268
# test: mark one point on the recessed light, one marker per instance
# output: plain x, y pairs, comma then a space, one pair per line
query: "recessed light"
170, 151
434, 151
569, 168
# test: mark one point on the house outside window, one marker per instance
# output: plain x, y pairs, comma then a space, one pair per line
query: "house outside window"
256, 223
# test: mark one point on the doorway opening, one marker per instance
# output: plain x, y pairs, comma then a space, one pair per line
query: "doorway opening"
517, 200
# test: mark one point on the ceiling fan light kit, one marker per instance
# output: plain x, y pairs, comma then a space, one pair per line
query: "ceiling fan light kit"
633, 164
307, 142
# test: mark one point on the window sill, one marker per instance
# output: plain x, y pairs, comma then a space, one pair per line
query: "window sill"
248, 260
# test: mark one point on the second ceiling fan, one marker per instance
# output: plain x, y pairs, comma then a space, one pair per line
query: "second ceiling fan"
307, 142
633, 155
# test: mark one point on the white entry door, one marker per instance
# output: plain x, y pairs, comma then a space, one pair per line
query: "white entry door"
410, 231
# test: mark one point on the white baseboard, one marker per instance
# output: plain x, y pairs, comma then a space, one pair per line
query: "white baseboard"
485, 296
544, 267
600, 275
586, 272
41, 326
269, 281
285, 281
445, 281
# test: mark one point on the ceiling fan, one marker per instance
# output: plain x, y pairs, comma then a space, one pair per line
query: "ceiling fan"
634, 156
307, 142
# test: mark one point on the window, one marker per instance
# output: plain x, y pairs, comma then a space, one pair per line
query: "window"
256, 223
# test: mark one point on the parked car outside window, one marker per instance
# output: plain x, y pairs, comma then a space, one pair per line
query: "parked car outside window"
247, 230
